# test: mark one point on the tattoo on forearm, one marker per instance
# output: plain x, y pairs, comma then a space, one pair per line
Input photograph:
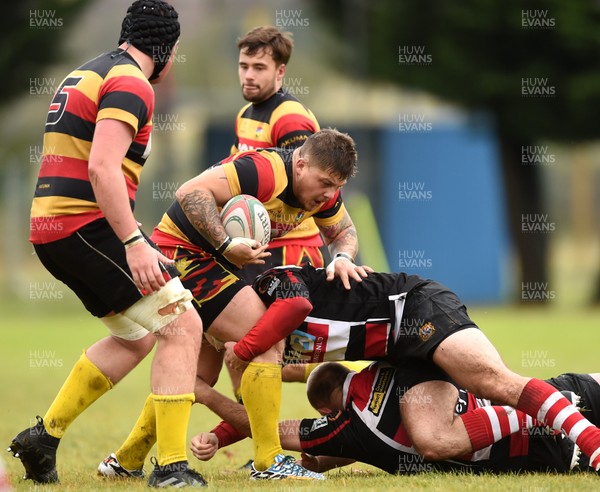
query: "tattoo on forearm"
346, 242
342, 236
201, 210
333, 231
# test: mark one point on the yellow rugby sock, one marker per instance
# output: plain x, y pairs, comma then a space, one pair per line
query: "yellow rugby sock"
172, 417
261, 391
84, 385
139, 442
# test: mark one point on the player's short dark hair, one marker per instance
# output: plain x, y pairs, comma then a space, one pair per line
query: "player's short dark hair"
152, 26
332, 151
323, 381
278, 43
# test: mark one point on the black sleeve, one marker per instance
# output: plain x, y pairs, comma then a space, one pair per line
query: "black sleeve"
344, 435
247, 172
325, 436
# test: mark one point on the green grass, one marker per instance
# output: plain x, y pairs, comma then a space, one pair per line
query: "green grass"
42, 339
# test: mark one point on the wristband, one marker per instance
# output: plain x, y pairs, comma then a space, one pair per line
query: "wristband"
134, 241
221, 249
131, 237
339, 256
227, 434
344, 255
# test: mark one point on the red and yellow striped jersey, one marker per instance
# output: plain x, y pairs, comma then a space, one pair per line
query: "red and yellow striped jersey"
109, 86
280, 121
266, 175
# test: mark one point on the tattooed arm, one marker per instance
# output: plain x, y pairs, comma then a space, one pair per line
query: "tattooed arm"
341, 237
200, 199
342, 241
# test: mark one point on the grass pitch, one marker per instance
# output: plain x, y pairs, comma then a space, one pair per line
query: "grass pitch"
41, 339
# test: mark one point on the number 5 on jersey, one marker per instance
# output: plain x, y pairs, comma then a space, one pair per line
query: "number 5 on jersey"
59, 101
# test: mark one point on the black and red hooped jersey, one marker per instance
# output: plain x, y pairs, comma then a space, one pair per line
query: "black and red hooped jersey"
355, 324
267, 175
370, 430
111, 86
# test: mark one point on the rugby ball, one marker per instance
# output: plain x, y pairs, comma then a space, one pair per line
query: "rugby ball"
245, 216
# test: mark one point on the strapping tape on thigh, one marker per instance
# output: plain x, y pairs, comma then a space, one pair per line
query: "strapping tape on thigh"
122, 327
158, 309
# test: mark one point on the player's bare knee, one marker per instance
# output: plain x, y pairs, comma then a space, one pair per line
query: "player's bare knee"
432, 454
145, 345
432, 448
139, 348
207, 378
432, 440
500, 387
186, 330
273, 356
210, 363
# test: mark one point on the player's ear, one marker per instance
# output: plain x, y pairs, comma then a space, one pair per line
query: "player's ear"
280, 72
301, 162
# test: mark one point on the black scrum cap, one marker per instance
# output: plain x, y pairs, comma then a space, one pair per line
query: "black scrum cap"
152, 26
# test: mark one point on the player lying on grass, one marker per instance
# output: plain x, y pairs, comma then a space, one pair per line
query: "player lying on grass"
392, 316
293, 185
364, 421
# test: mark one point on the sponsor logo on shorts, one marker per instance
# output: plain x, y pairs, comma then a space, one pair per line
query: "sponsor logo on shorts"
426, 331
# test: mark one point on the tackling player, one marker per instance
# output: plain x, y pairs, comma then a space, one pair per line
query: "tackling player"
364, 421
394, 316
